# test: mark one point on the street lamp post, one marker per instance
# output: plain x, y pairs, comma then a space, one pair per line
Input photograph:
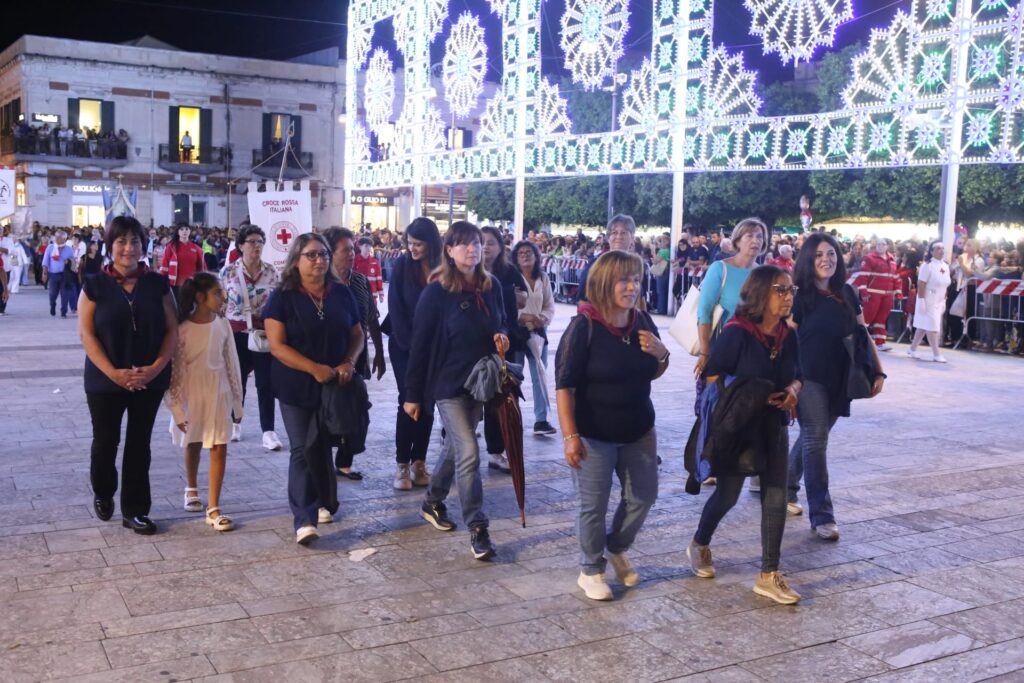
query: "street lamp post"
617, 80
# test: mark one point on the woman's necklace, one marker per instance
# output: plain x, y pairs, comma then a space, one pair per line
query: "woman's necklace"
318, 303
130, 300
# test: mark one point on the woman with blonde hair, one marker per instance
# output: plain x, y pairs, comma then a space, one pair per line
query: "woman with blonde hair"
607, 358
460, 319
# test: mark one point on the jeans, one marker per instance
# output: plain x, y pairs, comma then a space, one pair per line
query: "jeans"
661, 285
56, 285
258, 364
311, 480
411, 438
459, 461
540, 394
773, 503
107, 411
636, 465
808, 457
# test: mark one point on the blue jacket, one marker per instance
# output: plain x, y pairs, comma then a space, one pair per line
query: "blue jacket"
404, 292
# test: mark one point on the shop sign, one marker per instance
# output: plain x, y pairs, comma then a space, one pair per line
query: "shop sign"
372, 200
83, 188
46, 118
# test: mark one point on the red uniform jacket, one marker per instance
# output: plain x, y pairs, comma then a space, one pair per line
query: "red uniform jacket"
370, 267
878, 274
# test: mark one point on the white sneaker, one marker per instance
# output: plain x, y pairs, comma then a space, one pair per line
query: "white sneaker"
755, 485
236, 432
827, 532
794, 509
594, 586
305, 535
271, 442
324, 516
912, 353
885, 347
498, 461
939, 359
403, 481
624, 569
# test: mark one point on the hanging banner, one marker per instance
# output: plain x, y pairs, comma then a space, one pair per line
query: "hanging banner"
7, 198
283, 214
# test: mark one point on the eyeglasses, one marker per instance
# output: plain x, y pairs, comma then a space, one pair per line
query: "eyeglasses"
258, 243
317, 255
786, 290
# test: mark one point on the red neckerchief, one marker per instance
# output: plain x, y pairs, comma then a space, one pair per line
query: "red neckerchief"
774, 347
120, 278
473, 288
588, 309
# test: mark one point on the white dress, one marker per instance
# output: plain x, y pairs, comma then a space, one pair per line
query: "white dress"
206, 384
928, 314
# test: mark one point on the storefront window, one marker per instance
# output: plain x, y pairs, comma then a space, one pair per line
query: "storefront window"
84, 215
90, 114
19, 194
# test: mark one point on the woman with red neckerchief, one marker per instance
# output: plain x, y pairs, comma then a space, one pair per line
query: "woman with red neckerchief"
128, 325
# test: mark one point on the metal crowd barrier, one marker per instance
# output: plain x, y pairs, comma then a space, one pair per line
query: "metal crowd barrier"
564, 273
387, 258
998, 308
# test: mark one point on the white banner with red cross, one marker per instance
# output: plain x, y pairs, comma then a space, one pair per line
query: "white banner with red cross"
284, 213
7, 196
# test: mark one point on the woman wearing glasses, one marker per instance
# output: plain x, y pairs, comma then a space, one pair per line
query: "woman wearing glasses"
312, 324
757, 343
247, 285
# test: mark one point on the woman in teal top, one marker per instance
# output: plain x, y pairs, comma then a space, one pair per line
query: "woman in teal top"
750, 240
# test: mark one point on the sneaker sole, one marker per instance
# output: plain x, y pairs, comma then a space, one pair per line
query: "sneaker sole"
503, 470
598, 598
701, 573
434, 523
782, 600
307, 539
827, 537
486, 555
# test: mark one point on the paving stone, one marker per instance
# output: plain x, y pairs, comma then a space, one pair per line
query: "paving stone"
493, 643
625, 658
826, 662
612, 620
277, 653
184, 668
991, 623
715, 643
977, 665
909, 644
410, 630
899, 603
167, 644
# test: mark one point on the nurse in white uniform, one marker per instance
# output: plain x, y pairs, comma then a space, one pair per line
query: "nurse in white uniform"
932, 280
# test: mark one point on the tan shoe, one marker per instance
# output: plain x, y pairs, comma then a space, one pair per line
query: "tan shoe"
700, 560
624, 569
403, 482
419, 473
773, 585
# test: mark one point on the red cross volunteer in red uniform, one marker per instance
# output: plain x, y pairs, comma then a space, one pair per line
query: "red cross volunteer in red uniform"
879, 290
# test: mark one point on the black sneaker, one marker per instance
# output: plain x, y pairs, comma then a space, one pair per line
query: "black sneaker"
543, 427
437, 514
480, 542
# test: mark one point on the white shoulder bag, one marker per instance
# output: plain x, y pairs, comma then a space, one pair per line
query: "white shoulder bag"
684, 328
258, 341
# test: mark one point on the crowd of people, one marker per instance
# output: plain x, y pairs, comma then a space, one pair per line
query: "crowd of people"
69, 142
184, 316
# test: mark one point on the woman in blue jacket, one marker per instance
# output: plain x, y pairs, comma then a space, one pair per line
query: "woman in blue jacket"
459, 320
409, 277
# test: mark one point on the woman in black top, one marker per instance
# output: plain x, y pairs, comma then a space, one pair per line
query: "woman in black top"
92, 261
756, 344
128, 326
606, 361
513, 292
313, 327
343, 256
409, 277
460, 320
825, 310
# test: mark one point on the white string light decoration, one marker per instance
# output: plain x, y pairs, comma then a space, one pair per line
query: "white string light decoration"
592, 35
884, 73
361, 39
464, 64
727, 87
552, 110
495, 123
795, 28
437, 12
379, 90
640, 99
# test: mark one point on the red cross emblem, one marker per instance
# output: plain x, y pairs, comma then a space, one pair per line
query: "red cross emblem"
284, 236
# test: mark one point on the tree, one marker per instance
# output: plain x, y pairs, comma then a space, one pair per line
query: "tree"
833, 72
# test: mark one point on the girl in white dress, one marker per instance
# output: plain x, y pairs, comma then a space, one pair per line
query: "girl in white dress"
206, 388
932, 280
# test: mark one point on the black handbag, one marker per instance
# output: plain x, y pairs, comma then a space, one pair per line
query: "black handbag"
860, 377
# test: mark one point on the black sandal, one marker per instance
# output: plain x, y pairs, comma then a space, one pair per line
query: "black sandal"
353, 475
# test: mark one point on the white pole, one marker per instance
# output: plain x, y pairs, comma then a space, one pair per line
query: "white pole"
951, 171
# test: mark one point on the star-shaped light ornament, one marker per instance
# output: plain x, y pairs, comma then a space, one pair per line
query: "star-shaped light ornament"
794, 29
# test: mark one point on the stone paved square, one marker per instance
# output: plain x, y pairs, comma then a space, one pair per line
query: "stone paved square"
926, 583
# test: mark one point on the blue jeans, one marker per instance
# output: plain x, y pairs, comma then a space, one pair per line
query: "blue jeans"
58, 284
540, 396
636, 465
661, 285
312, 483
773, 503
808, 457
459, 461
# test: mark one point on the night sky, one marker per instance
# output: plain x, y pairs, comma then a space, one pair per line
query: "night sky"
279, 29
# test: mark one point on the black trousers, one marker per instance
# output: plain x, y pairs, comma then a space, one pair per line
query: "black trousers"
107, 411
258, 364
411, 438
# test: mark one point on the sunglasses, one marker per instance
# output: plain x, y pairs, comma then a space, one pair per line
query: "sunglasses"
786, 290
317, 255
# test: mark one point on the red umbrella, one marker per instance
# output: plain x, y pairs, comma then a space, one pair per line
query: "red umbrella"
510, 418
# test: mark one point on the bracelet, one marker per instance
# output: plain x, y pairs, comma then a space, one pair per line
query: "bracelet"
882, 375
664, 359
570, 437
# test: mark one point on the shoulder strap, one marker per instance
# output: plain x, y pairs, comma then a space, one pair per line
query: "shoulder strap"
246, 306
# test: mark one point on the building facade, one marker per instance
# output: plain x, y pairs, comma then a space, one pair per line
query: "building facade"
188, 130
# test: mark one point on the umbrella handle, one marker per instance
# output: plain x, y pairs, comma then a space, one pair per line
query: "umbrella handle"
501, 352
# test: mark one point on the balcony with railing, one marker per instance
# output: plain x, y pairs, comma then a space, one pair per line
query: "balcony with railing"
204, 160
267, 163
103, 151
